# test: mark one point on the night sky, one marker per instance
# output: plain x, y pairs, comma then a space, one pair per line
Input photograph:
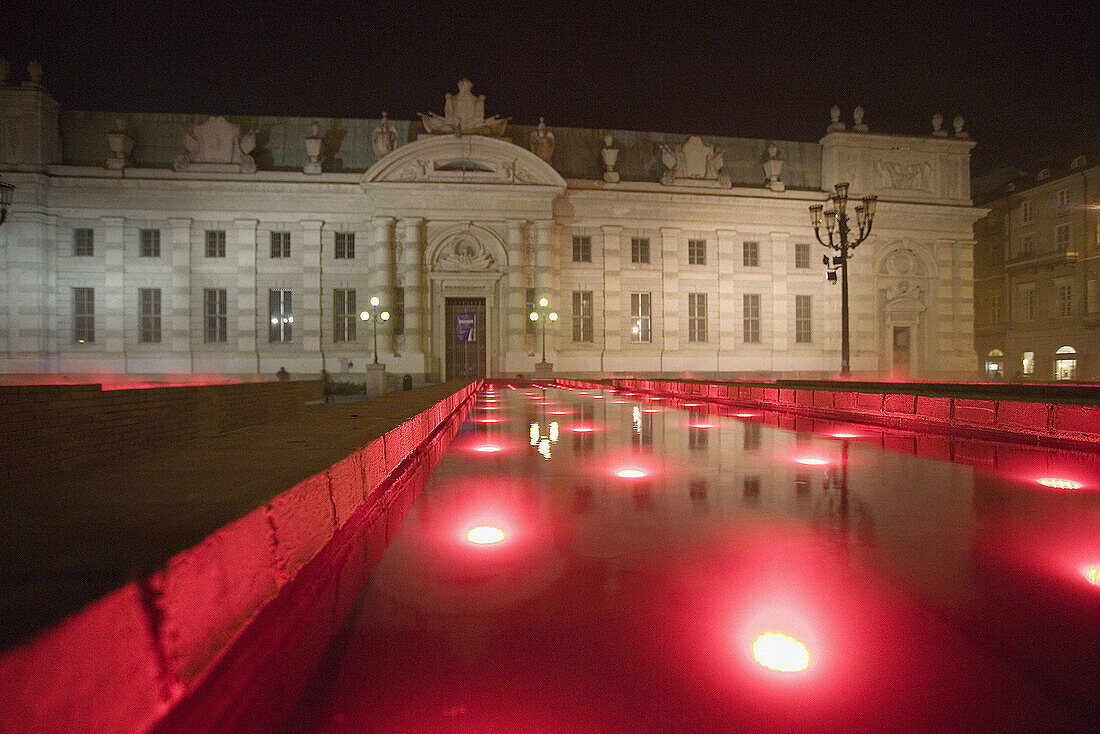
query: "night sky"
1025, 75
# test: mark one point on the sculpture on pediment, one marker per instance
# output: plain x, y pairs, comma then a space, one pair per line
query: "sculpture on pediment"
464, 254
937, 126
464, 113
384, 137
835, 125
903, 176
857, 121
515, 172
773, 167
958, 123
121, 145
692, 163
542, 141
903, 289
610, 155
217, 145
314, 146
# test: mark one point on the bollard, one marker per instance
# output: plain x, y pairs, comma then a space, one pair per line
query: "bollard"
407, 382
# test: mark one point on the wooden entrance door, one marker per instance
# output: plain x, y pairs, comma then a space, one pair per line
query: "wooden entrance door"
901, 349
466, 338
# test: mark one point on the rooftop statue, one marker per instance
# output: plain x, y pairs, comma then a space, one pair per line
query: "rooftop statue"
384, 137
464, 113
217, 145
542, 141
693, 163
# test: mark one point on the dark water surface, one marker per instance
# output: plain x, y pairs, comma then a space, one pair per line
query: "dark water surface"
644, 561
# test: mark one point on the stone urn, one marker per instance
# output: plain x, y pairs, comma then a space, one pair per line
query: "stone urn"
773, 167
121, 145
247, 144
610, 155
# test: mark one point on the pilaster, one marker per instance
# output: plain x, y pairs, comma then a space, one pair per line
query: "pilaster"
311, 320
674, 306
178, 303
415, 242
383, 244
613, 289
112, 304
730, 299
517, 285
248, 299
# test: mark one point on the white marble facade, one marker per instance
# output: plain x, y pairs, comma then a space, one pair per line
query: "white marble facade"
468, 212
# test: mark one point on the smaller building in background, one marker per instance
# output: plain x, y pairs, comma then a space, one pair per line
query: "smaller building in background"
1037, 273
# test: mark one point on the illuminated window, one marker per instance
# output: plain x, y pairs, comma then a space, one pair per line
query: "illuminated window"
802, 255
582, 316
344, 315
640, 319
345, 246
1026, 212
84, 315
149, 314
282, 315
1065, 363
1027, 364
697, 252
697, 317
280, 244
995, 364
639, 250
150, 243
803, 319
215, 243
582, 249
750, 254
84, 242
214, 311
752, 318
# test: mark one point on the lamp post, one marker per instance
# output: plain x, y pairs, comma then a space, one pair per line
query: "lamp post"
543, 313
6, 190
375, 314
836, 222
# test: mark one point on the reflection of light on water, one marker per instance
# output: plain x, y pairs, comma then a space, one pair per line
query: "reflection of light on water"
1092, 574
630, 473
487, 448
745, 415
701, 425
651, 410
811, 461
1056, 483
534, 434
485, 535
777, 651
582, 429
544, 448
845, 435
692, 405
553, 431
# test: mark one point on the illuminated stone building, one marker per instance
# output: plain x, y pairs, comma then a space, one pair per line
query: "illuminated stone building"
169, 243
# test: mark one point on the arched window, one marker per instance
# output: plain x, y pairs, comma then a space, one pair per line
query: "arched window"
1065, 363
995, 364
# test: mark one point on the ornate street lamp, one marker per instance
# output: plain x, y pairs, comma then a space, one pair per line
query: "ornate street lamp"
544, 314
836, 222
375, 314
6, 190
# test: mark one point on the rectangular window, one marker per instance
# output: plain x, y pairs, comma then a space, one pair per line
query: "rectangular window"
343, 315
697, 252
84, 315
1027, 363
530, 308
697, 317
214, 316
996, 307
282, 315
280, 244
398, 311
803, 313
1061, 238
345, 246
149, 314
640, 323
582, 316
752, 318
1027, 245
751, 254
582, 249
1027, 305
1065, 300
84, 242
1026, 212
150, 243
1062, 201
802, 255
639, 250
215, 243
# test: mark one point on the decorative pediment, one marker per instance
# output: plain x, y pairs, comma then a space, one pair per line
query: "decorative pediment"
447, 159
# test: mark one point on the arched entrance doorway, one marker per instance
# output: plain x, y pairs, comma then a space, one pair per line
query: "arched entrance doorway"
1065, 363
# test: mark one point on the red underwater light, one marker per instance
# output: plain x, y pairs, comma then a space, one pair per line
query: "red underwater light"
777, 651
1059, 483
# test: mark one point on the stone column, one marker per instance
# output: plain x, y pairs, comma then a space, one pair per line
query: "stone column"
382, 277
731, 302
312, 308
412, 265
517, 287
673, 302
112, 303
249, 300
179, 328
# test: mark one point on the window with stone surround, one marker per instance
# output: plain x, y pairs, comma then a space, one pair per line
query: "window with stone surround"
280, 244
84, 242
1061, 201
345, 246
639, 249
640, 318
1027, 303
84, 315
697, 252
803, 319
1062, 241
751, 318
697, 317
996, 309
750, 254
582, 249
282, 315
1064, 294
1027, 246
215, 243
344, 315
215, 315
150, 242
802, 255
582, 316
1027, 213
149, 315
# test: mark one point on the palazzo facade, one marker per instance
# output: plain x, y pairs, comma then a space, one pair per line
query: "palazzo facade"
159, 244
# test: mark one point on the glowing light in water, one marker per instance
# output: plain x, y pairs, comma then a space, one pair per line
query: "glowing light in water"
700, 425
651, 410
845, 435
582, 429
777, 651
619, 402
488, 420
1092, 574
487, 448
692, 405
630, 473
535, 431
745, 415
812, 461
553, 431
1056, 483
485, 535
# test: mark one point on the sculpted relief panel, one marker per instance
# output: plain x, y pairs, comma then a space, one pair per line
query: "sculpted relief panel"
463, 253
903, 176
